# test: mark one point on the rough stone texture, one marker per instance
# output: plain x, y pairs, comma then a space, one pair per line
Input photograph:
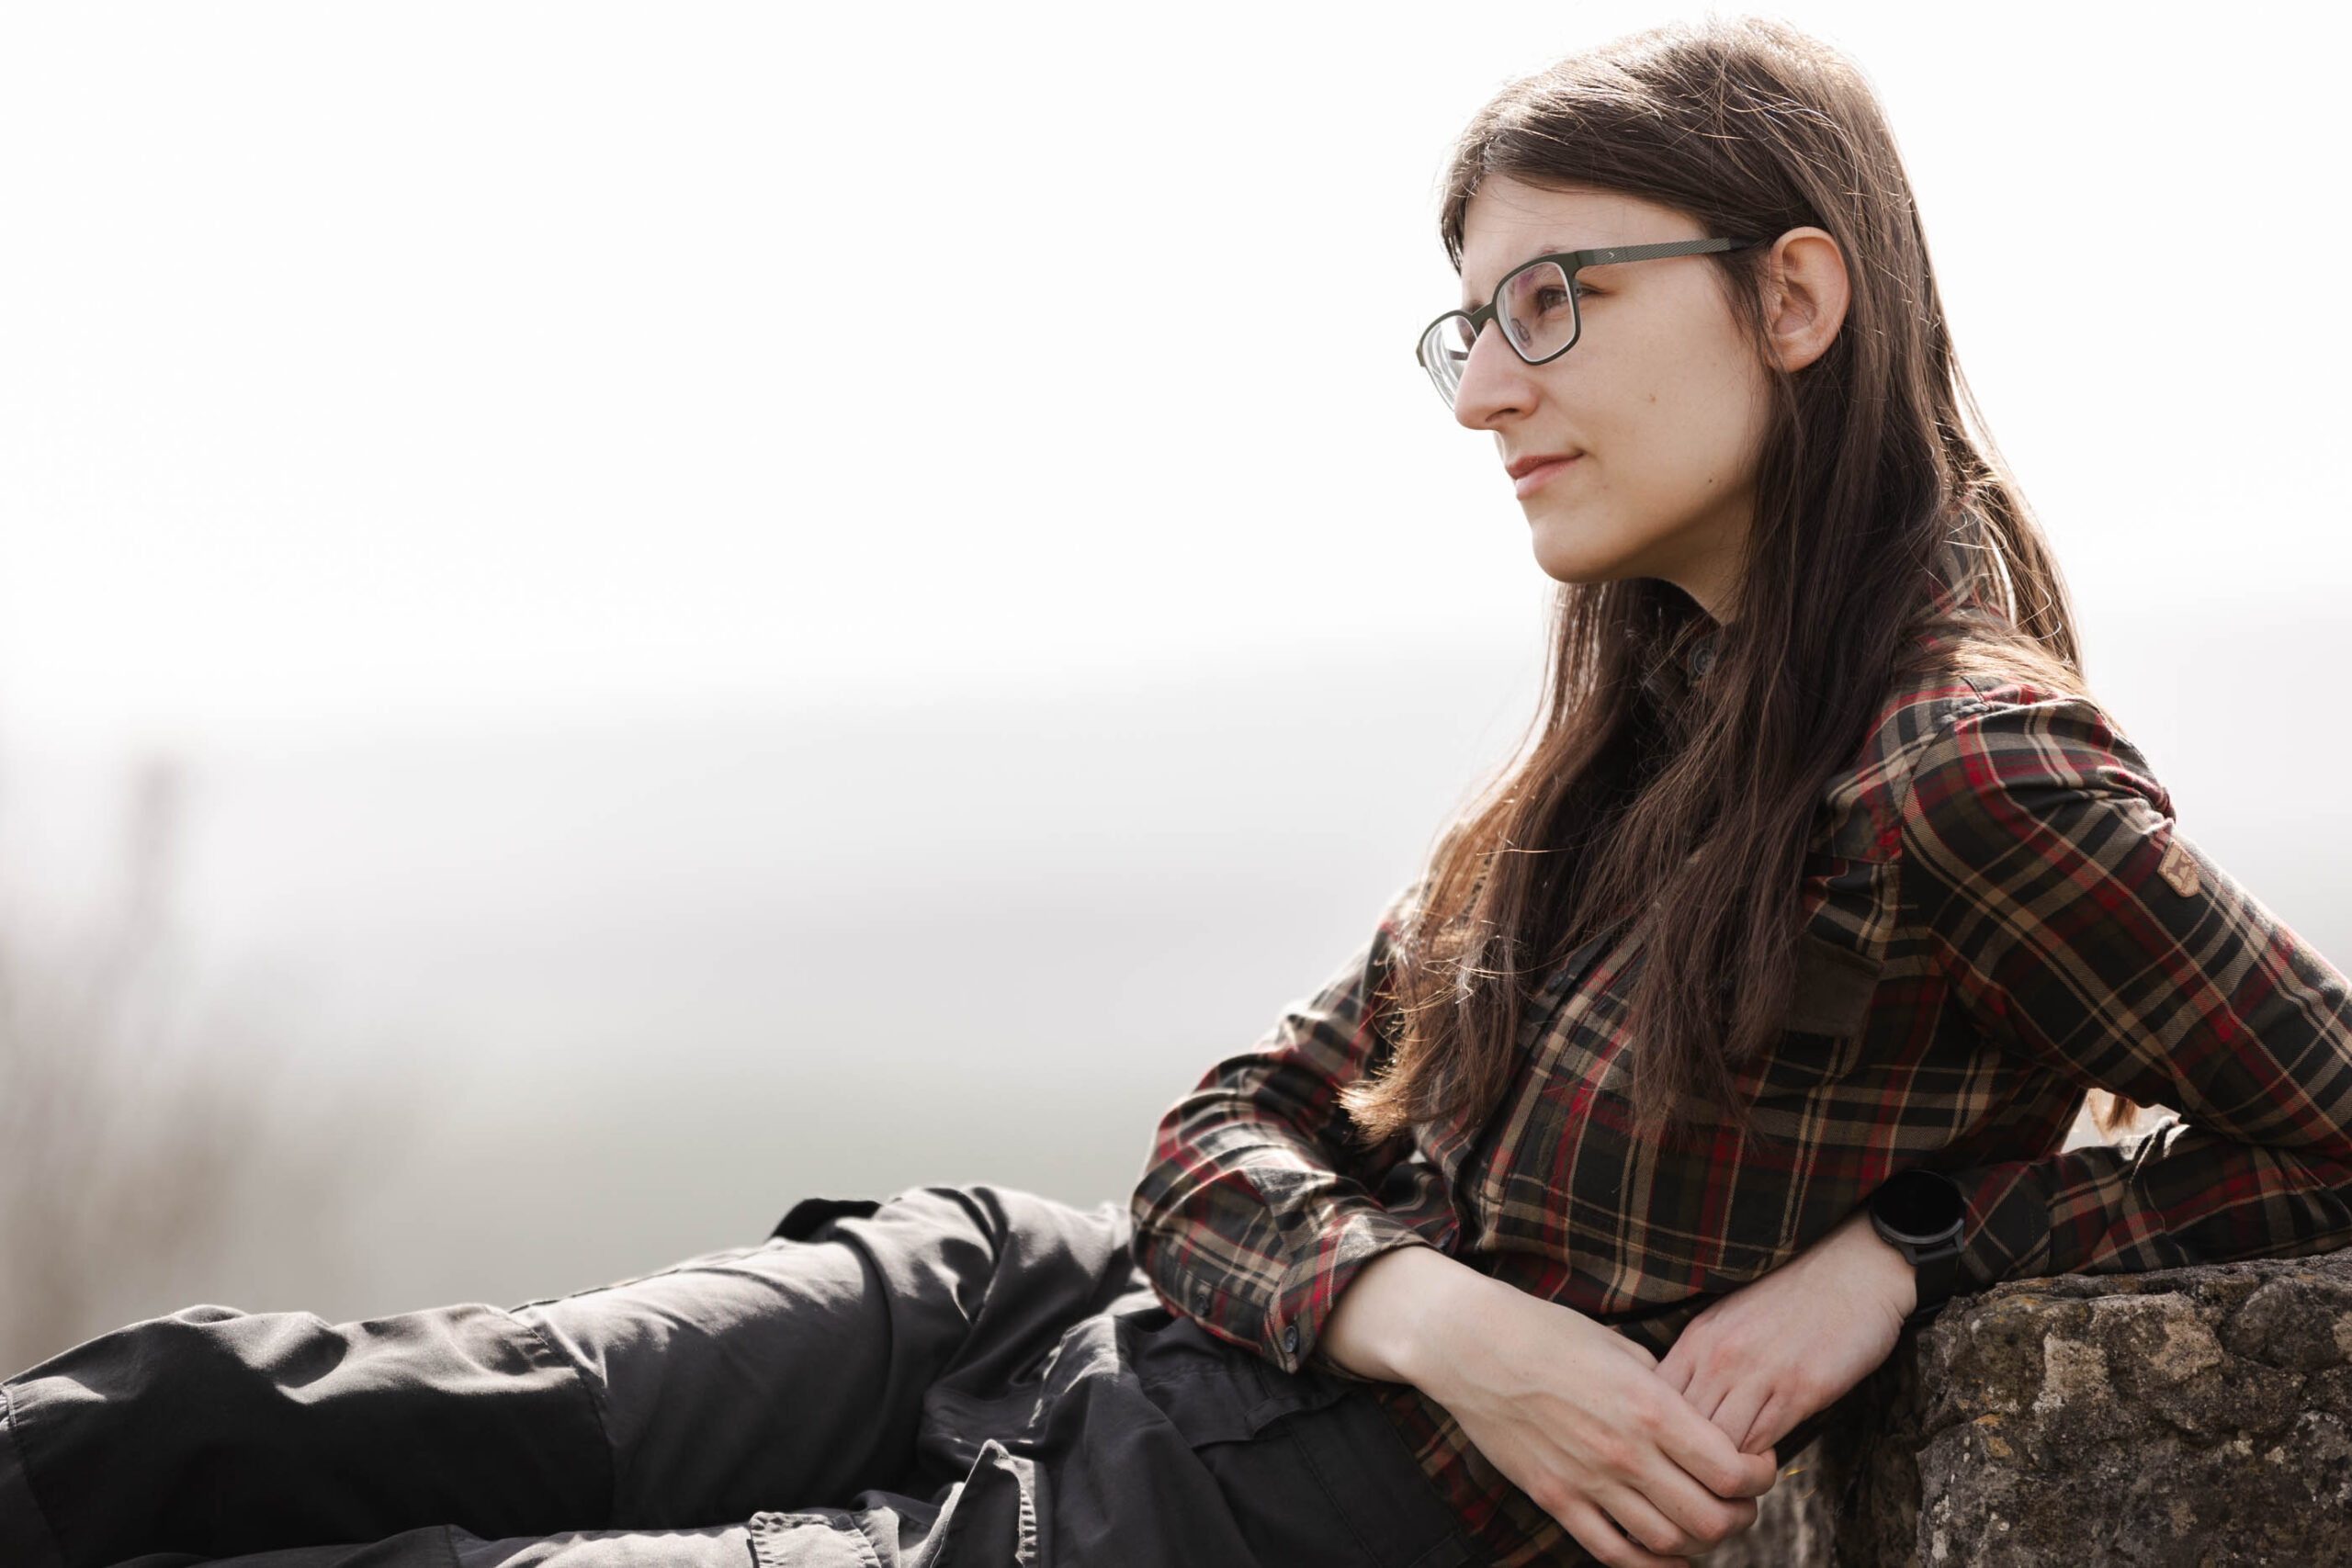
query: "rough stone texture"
2191, 1418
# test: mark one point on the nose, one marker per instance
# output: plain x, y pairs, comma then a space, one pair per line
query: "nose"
1495, 383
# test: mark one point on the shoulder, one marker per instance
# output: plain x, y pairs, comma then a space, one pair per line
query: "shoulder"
1948, 744
2016, 739
2019, 806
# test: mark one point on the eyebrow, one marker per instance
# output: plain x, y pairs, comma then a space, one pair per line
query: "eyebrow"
1469, 305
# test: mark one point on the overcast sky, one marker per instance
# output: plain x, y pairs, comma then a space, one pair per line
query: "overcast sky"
375, 365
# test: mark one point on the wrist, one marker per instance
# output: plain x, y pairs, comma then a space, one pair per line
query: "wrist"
1396, 1319
1894, 1279
1442, 1319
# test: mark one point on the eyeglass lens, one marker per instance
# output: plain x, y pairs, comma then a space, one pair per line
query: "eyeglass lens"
1536, 310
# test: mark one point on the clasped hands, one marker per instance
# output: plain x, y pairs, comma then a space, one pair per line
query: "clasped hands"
1644, 1462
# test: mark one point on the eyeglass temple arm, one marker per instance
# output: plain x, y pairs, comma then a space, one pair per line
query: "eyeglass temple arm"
1651, 253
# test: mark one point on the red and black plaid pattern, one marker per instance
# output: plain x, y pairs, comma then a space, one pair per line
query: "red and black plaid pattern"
2000, 913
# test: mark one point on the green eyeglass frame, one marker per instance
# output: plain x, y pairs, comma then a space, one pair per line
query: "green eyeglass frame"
1444, 362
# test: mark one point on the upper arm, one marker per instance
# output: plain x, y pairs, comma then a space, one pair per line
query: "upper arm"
2073, 920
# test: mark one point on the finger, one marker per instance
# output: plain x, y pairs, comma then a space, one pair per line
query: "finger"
1709, 1457
1769, 1424
1692, 1356
1684, 1353
1608, 1544
1697, 1517
1734, 1416
1648, 1526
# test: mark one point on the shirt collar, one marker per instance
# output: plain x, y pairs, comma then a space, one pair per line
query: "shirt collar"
1955, 584
1692, 652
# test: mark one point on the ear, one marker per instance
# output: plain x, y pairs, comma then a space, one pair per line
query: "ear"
1806, 294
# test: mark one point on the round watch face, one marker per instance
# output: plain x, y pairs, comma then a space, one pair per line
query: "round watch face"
1920, 1206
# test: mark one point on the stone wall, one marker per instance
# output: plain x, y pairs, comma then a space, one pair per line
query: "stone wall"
2193, 1418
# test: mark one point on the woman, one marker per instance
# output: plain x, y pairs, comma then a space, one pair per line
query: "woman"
1446, 1270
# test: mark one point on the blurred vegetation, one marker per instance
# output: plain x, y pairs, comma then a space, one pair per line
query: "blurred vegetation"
134, 1128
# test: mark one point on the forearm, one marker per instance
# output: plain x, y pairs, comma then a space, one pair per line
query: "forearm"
2078, 930
2181, 1195
1398, 1306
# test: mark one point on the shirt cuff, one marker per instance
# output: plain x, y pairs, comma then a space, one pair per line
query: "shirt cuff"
1310, 1288
2008, 1224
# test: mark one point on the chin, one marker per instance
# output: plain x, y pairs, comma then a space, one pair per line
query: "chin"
1574, 560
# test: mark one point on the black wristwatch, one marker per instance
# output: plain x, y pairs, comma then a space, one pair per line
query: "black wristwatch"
1921, 1214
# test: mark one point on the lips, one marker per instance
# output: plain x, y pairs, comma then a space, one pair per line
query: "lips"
1530, 473
1520, 467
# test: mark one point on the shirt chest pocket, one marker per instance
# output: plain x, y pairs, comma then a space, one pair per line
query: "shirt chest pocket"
1840, 957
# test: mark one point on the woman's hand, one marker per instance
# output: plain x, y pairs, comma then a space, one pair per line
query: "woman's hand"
1576, 1416
1771, 1353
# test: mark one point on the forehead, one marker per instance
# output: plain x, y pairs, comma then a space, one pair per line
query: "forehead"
1508, 220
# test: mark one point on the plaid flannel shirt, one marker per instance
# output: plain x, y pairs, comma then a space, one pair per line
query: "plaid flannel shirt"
1999, 913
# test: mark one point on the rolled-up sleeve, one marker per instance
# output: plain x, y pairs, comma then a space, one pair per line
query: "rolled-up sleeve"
1259, 1203
2075, 924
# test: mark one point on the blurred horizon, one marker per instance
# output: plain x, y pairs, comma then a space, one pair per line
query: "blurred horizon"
570, 1001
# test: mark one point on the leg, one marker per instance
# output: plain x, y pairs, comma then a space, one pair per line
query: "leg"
778, 1376
713, 1419
727, 1546
720, 1546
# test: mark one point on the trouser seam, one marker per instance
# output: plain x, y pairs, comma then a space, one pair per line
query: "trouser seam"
1339, 1504
1448, 1549
14, 1434
765, 1527
594, 1394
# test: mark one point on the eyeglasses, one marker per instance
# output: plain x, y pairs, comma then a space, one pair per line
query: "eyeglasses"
1535, 305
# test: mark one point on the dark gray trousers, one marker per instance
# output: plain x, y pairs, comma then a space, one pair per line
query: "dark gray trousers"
958, 1377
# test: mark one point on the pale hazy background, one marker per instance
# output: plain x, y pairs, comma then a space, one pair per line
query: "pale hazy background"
697, 604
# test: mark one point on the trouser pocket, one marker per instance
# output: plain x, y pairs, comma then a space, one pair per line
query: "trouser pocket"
1311, 1471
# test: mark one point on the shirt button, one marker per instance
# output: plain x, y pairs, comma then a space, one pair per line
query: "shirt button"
1290, 1340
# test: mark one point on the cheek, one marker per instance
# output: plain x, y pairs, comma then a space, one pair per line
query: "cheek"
1697, 427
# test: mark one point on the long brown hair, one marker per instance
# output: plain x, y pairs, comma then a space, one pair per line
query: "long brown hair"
1639, 793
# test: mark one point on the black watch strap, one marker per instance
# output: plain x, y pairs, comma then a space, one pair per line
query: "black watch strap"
1937, 1271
